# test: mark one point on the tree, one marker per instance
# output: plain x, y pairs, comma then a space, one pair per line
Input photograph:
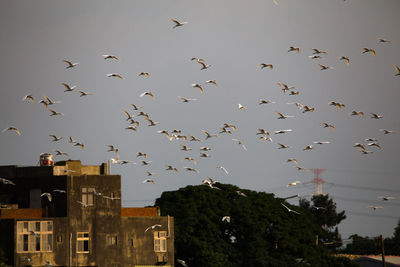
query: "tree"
326, 217
261, 231
3, 259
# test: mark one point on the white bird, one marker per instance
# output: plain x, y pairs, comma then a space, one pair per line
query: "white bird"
191, 169
300, 168
12, 128
264, 101
397, 70
144, 163
111, 198
262, 131
48, 195
55, 113
145, 74
356, 113
226, 219
6, 181
205, 155
223, 168
374, 144
371, 139
177, 23
71, 140
193, 138
185, 148
375, 116
70, 64
386, 198
147, 93
59, 191
85, 93
49, 101
124, 162
346, 59
208, 135
84, 205
171, 168
382, 40
182, 262
375, 207
110, 57
241, 107
196, 85
55, 138
323, 67
116, 75
190, 159
33, 233
241, 193
68, 87
60, 153
327, 125
283, 131
240, 143
212, 81
293, 183
281, 116
282, 146
263, 65
292, 48
293, 160
149, 181
290, 210
317, 51
203, 65
81, 145
284, 87
186, 100
366, 50
321, 142
385, 131
29, 97
265, 138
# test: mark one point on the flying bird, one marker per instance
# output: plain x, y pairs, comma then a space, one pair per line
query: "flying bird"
292, 160
190, 159
369, 50
55, 138
191, 169
212, 81
82, 93
70, 64
385, 131
323, 67
116, 75
152, 227
149, 181
55, 113
140, 154
187, 100
262, 131
146, 93
265, 138
292, 48
263, 65
346, 59
375, 116
110, 57
386, 198
208, 135
357, 113
397, 70
226, 219
317, 51
50, 102
241, 193
240, 143
281, 116
282, 146
145, 74
6, 181
264, 101
177, 23
171, 168
290, 210
60, 153
321, 142
241, 107
283, 131
375, 207
68, 88
29, 97
293, 183
12, 128
182, 262
382, 40
223, 168
48, 195
196, 85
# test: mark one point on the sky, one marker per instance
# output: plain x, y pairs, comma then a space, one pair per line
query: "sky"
234, 37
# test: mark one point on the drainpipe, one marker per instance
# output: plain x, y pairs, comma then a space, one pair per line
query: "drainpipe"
168, 226
70, 249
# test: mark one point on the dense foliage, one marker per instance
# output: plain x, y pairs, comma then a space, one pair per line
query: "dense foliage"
261, 231
326, 217
373, 245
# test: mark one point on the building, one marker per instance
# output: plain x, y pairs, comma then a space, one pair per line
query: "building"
80, 222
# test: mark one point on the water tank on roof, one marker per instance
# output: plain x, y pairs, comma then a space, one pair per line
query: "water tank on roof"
46, 159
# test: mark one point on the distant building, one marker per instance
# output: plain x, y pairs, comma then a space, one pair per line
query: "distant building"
81, 222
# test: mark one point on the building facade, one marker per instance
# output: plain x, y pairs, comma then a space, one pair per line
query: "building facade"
80, 222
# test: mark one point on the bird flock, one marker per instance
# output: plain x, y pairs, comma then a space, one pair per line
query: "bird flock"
200, 146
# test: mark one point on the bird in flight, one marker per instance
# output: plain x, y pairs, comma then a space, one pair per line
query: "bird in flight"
241, 193
386, 198
289, 209
375, 207
375, 116
6, 181
284, 87
152, 227
84, 205
190, 159
309, 147
196, 85
70, 64
29, 97
385, 131
149, 181
223, 168
337, 104
264, 101
323, 67
212, 81
208, 135
321, 142
182, 262
263, 65
48, 195
293, 183
240, 143
55, 113
397, 70
171, 168
293, 160
317, 51
12, 128
283, 131
145, 74
346, 59
191, 169
282, 146
292, 48
116, 75
328, 125
382, 40
262, 131
375, 144
226, 219
177, 23
369, 50
147, 93
281, 116
187, 100
82, 93
55, 138
60, 153
357, 113
110, 57
68, 88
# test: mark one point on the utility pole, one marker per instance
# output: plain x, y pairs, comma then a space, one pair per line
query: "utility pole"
383, 252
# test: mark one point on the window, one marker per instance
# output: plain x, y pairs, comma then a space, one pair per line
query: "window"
111, 240
160, 241
87, 195
59, 239
34, 236
130, 241
82, 242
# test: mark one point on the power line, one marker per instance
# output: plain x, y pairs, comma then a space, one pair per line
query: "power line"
386, 203
377, 189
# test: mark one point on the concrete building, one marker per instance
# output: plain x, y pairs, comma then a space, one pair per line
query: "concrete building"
80, 222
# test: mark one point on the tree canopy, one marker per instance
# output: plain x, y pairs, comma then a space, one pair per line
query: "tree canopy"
261, 231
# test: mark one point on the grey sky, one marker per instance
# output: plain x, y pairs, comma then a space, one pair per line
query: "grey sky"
234, 37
